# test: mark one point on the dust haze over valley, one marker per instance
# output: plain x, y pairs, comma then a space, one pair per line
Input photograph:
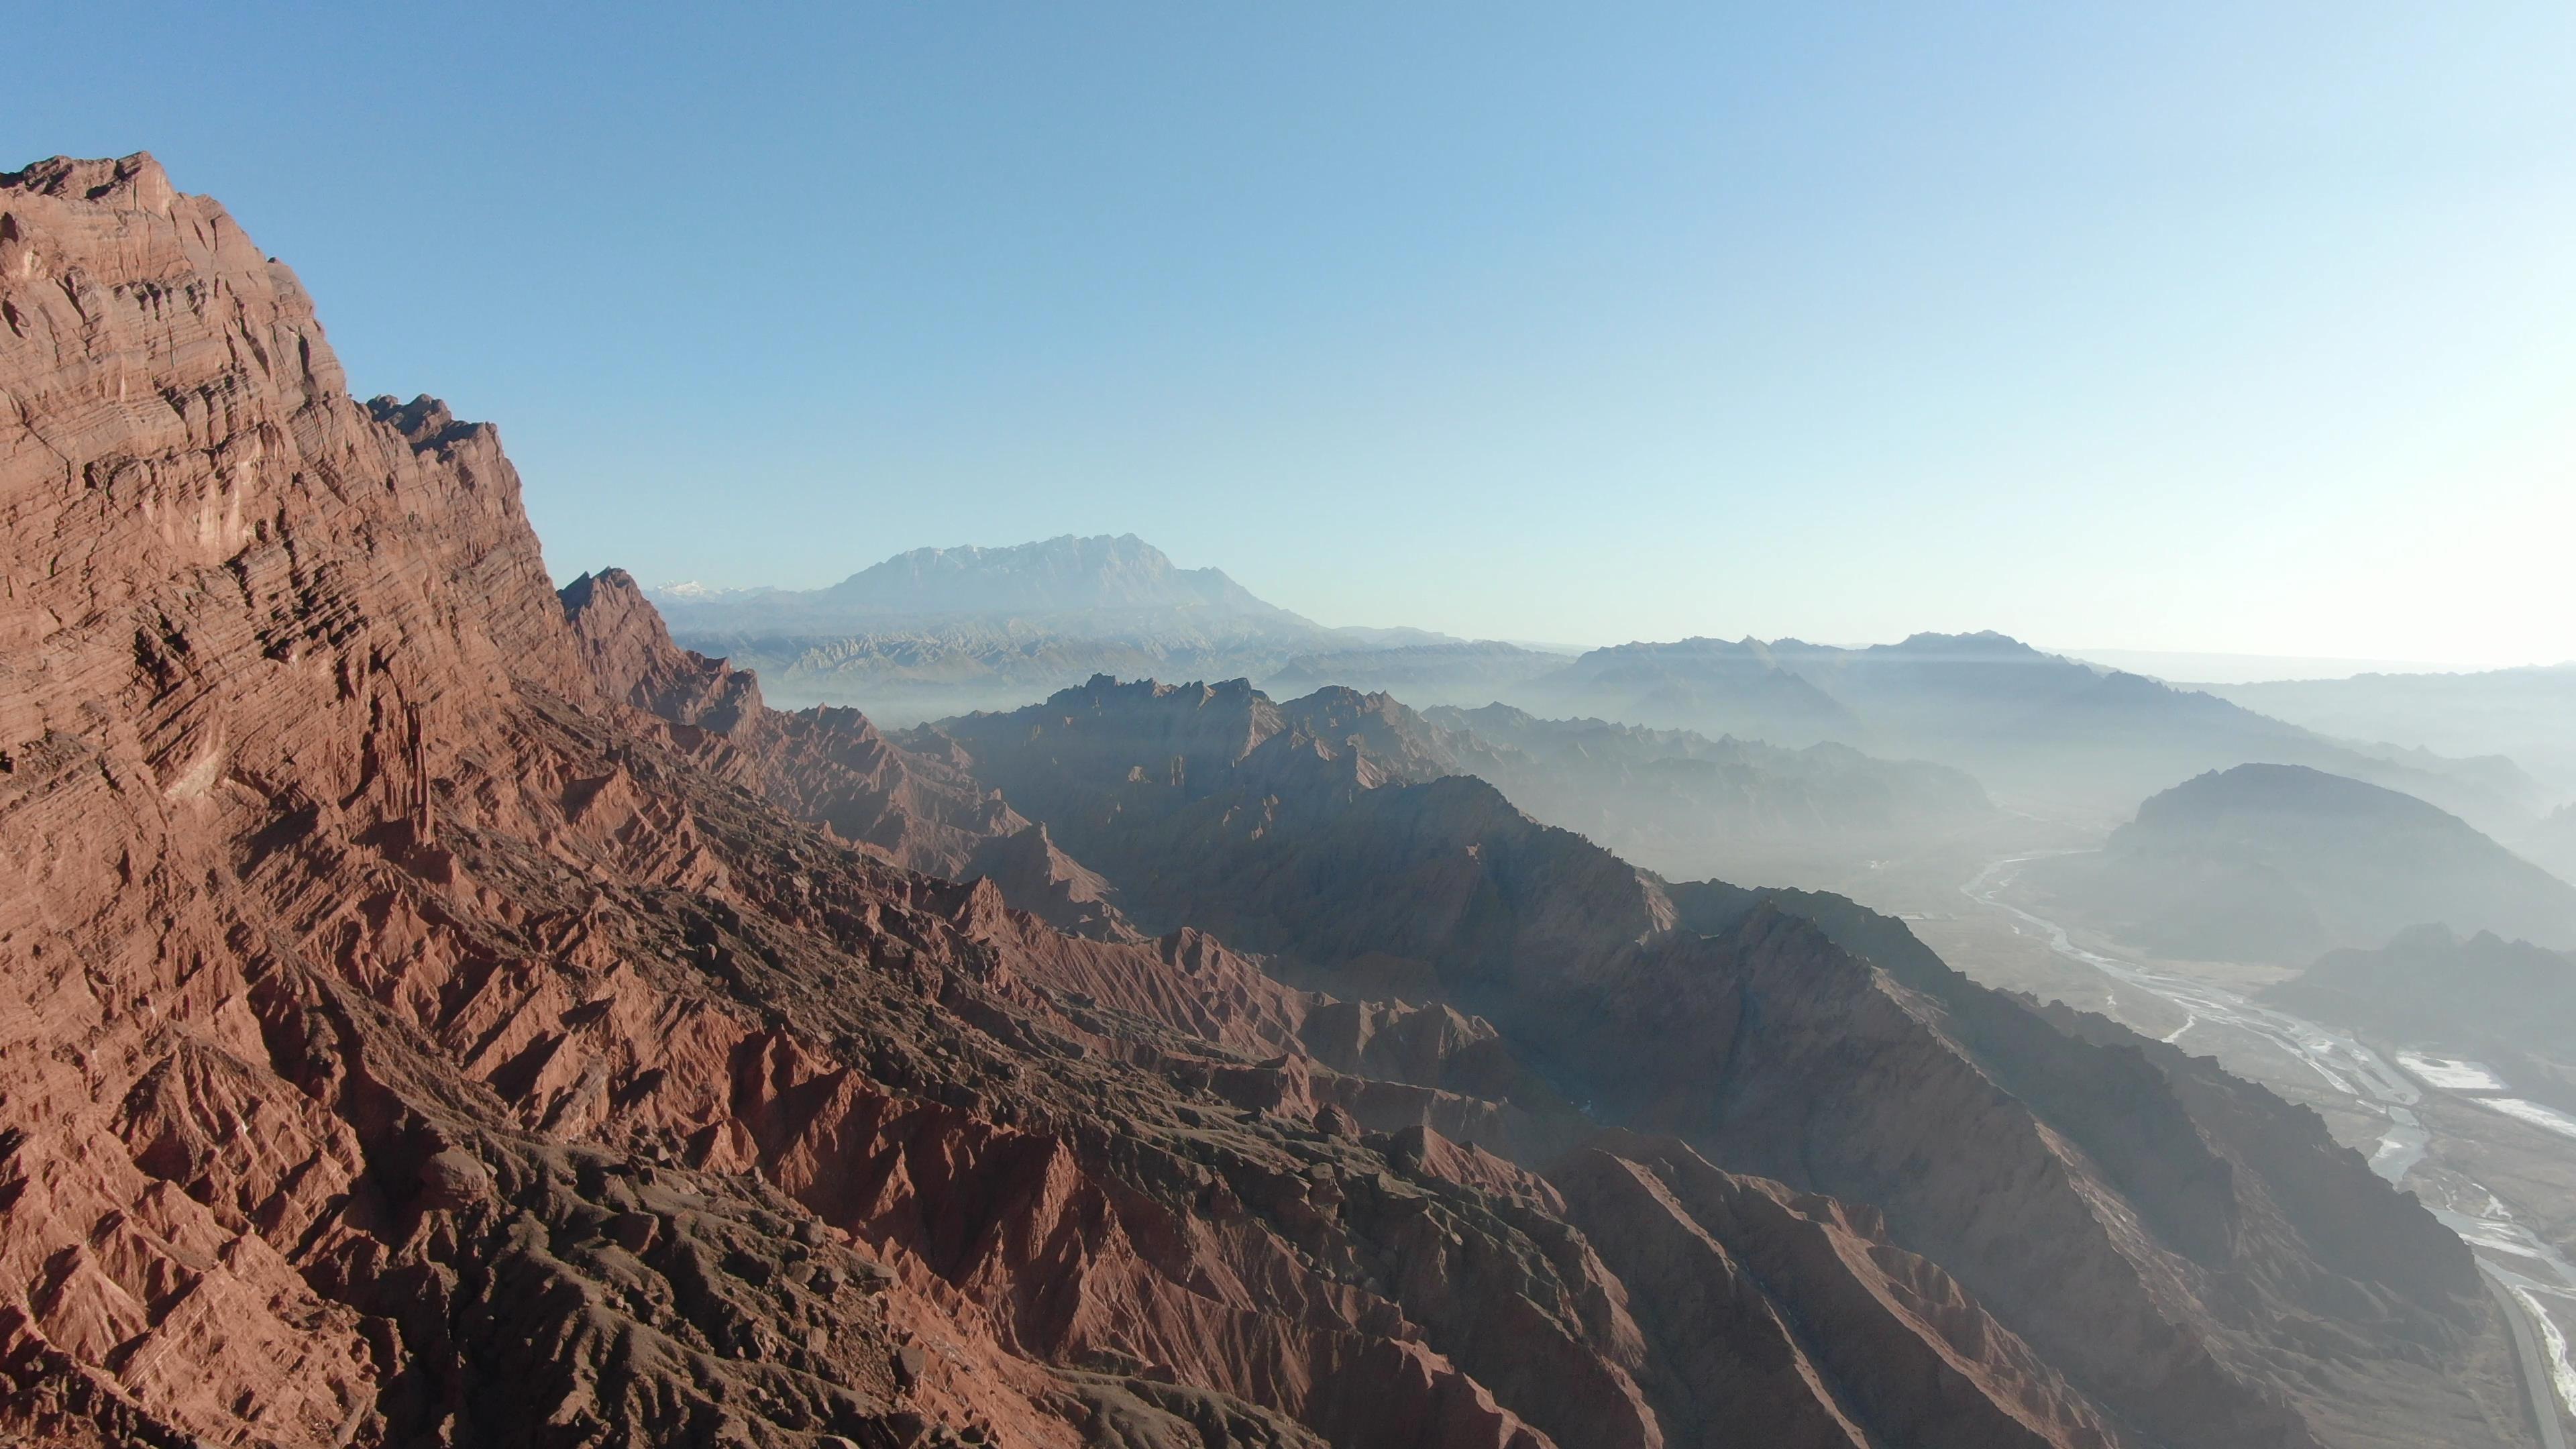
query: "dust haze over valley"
1339, 728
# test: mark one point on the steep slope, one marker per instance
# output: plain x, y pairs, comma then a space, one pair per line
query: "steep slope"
421, 1023
2121, 1213
2280, 863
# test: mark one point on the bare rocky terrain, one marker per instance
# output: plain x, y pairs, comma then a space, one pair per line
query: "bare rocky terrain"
435, 1009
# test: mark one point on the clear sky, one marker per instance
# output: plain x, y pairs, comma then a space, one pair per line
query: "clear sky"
2200, 326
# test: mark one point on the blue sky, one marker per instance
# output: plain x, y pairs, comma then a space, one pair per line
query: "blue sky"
2244, 327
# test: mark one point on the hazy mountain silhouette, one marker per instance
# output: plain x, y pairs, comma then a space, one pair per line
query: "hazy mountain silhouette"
2281, 862
1686, 804
2553, 842
937, 630
2523, 713
2040, 728
1111, 586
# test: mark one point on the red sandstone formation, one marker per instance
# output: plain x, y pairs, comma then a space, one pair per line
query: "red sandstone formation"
436, 1012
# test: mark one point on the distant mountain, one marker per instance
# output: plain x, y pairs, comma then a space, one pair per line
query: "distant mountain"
2044, 730
1685, 804
2281, 863
1120, 587
942, 630
2523, 713
2203, 670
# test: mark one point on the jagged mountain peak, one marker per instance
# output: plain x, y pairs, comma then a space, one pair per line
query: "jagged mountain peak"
134, 182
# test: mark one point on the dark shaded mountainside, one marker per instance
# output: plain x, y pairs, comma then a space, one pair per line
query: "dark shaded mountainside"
2281, 863
2509, 1003
442, 1012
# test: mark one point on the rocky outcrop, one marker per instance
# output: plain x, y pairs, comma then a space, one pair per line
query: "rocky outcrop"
826, 765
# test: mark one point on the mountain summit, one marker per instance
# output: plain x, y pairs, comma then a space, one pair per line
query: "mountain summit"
942, 630
1114, 586
1053, 575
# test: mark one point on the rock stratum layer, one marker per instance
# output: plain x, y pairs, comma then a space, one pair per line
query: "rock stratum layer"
438, 1011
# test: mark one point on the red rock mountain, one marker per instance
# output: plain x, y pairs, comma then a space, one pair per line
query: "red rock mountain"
437, 1011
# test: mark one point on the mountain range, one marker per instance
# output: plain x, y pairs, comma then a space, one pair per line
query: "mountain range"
436, 1008
2521, 713
2043, 731
946, 631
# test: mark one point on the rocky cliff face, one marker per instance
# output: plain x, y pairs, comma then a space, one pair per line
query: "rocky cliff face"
433, 1011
